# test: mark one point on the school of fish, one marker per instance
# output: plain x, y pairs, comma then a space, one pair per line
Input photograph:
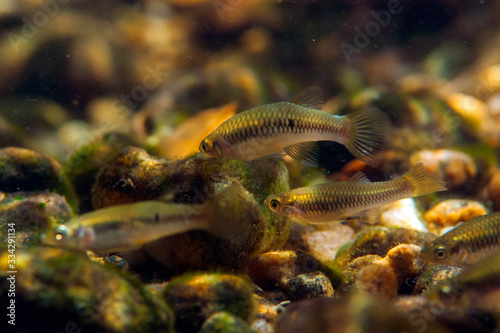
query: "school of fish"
294, 128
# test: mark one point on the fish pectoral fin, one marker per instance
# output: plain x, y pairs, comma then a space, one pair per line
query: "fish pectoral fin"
368, 216
306, 153
274, 156
360, 177
311, 97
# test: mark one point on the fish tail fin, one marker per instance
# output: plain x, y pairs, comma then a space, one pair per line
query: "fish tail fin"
370, 132
423, 181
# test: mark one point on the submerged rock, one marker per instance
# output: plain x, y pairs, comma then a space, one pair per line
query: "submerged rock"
85, 163
431, 275
454, 167
30, 214
358, 313
56, 288
134, 176
324, 244
384, 276
402, 214
196, 297
298, 274
494, 190
225, 322
377, 280
25, 170
449, 213
378, 241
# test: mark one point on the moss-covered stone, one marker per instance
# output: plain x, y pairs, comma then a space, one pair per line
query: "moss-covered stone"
358, 313
55, 288
378, 241
30, 214
224, 322
431, 275
25, 170
133, 176
297, 273
196, 297
130, 176
84, 165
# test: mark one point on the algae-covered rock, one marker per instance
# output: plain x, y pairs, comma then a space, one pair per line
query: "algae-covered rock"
30, 214
25, 170
431, 275
196, 297
54, 287
130, 176
84, 165
378, 241
384, 276
358, 313
297, 273
224, 322
133, 176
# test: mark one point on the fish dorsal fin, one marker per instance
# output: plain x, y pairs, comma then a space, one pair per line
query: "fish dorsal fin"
360, 177
306, 153
311, 97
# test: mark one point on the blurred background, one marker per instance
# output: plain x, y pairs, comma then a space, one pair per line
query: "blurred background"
73, 71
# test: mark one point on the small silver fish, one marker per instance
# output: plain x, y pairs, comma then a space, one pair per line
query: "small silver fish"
294, 127
331, 202
467, 243
126, 227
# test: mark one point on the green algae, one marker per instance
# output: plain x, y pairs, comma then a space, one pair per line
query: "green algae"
53, 283
26, 170
224, 322
378, 241
199, 180
31, 214
85, 163
195, 297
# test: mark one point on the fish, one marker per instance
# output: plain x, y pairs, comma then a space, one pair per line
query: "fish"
478, 283
127, 227
294, 128
467, 243
354, 199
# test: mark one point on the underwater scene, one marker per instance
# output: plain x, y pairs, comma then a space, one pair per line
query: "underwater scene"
233, 166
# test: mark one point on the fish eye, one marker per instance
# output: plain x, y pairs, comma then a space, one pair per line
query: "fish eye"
274, 204
204, 147
440, 253
60, 233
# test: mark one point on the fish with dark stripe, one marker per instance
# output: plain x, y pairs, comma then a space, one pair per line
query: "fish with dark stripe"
294, 127
467, 243
128, 227
337, 201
